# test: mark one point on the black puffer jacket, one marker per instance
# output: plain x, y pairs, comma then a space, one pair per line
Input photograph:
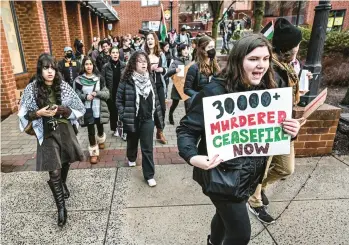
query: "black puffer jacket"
101, 60
126, 104
195, 81
107, 73
192, 128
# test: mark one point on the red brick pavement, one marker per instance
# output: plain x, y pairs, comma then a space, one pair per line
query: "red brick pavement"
108, 159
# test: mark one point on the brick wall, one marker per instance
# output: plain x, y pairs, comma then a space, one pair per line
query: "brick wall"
101, 28
8, 82
316, 137
32, 29
132, 14
74, 22
57, 26
336, 5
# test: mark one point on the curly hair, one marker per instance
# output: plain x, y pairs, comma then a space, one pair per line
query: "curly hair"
43, 91
131, 64
157, 49
201, 57
95, 69
234, 73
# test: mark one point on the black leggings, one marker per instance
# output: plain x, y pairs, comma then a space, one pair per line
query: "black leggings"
161, 95
92, 132
175, 104
231, 224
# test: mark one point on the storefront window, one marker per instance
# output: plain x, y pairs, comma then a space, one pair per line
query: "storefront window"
12, 37
335, 20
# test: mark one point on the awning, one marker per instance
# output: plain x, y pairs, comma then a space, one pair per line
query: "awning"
104, 9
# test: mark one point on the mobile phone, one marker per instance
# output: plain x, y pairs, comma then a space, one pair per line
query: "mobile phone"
52, 107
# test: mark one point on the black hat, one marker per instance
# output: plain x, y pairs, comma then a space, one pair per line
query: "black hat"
286, 36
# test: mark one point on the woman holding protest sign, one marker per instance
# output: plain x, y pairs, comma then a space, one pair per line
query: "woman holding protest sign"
206, 65
178, 63
247, 69
49, 107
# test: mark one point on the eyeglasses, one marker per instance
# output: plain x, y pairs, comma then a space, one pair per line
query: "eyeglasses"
142, 61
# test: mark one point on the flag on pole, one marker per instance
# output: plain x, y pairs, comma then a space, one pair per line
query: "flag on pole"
268, 30
162, 26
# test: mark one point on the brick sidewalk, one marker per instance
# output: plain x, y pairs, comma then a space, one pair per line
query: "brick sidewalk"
18, 149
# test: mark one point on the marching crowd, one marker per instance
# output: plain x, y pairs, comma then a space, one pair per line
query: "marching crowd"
124, 82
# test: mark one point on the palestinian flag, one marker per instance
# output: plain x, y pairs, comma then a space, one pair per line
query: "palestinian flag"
268, 30
162, 26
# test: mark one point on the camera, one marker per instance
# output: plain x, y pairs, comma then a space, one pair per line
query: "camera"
52, 124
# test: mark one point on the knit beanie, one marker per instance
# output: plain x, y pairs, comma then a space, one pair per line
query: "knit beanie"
286, 36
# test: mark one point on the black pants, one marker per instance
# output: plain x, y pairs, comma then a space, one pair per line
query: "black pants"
161, 95
144, 134
231, 224
92, 132
175, 104
113, 114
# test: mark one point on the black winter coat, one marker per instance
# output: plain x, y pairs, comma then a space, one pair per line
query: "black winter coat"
64, 69
126, 104
192, 129
195, 81
107, 73
101, 60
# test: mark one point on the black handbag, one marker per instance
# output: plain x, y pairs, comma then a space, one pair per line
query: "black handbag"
221, 180
88, 118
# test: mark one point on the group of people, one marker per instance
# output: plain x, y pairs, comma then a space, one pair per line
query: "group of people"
133, 90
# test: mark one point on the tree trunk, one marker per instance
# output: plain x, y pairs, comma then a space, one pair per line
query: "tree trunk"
216, 10
258, 14
345, 100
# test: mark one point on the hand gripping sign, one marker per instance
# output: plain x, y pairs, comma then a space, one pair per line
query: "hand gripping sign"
248, 123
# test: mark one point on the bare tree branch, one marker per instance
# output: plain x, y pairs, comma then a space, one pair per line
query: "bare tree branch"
226, 10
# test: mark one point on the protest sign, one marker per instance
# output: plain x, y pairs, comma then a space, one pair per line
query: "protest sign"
248, 123
179, 80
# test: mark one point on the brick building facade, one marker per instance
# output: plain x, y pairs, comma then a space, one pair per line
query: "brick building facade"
134, 13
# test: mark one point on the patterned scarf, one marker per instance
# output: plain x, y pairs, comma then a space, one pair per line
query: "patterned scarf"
143, 88
293, 80
28, 103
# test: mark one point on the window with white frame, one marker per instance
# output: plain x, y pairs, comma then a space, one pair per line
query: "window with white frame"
145, 3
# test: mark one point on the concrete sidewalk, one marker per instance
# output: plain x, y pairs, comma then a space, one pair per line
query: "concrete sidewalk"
115, 206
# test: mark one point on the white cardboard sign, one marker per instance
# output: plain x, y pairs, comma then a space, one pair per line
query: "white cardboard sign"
248, 123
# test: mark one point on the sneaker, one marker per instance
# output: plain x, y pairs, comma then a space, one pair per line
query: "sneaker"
265, 200
131, 164
261, 214
124, 137
151, 182
116, 134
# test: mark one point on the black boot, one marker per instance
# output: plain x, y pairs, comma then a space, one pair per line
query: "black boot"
64, 175
208, 240
170, 118
57, 191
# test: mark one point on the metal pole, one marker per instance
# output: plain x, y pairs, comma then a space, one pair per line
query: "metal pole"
315, 50
298, 12
171, 2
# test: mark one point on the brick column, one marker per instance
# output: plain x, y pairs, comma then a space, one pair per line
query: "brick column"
90, 26
75, 23
57, 20
101, 28
32, 29
8, 82
95, 25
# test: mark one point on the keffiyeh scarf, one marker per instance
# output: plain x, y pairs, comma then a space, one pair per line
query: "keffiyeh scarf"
28, 103
143, 88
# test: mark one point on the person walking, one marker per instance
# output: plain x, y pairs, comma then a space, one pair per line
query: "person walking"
182, 60
92, 90
198, 75
126, 51
68, 66
139, 108
165, 48
158, 70
172, 36
104, 56
230, 224
49, 107
112, 74
286, 42
79, 53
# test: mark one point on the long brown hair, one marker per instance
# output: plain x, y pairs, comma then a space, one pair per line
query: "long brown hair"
201, 57
234, 73
157, 49
131, 64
